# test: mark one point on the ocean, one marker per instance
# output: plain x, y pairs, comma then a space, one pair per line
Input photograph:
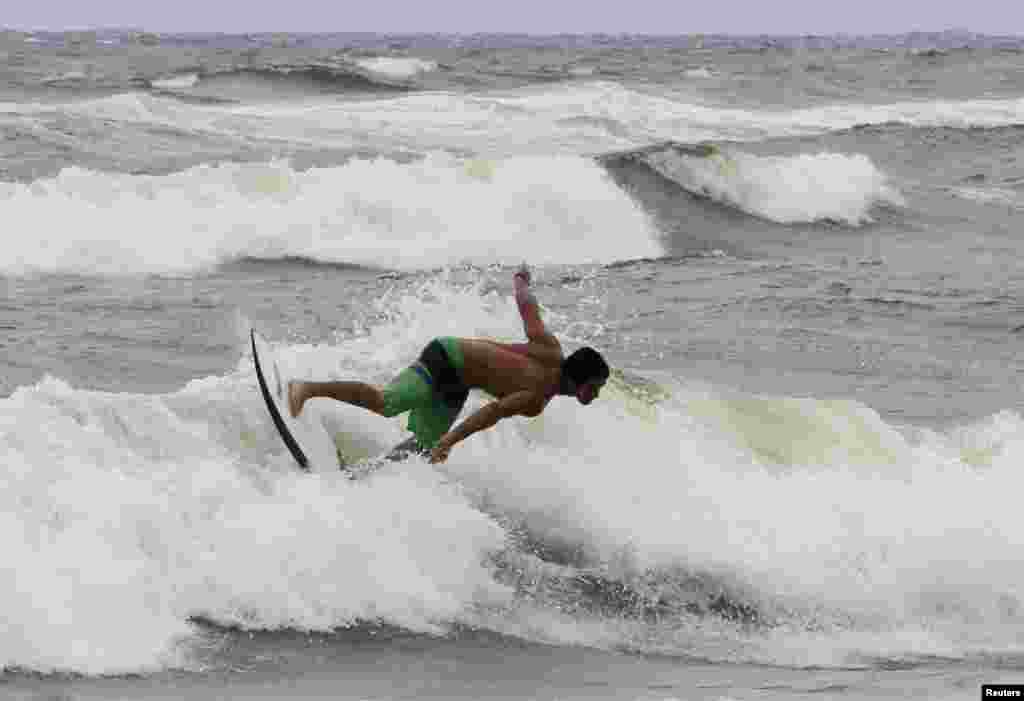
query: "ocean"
802, 257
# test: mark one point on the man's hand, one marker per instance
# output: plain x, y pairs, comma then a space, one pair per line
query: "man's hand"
524, 271
441, 450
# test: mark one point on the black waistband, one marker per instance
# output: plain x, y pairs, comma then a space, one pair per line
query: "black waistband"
447, 382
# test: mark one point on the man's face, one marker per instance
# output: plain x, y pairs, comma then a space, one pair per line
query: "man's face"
589, 391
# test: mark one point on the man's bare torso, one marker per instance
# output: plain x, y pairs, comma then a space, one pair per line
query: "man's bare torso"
501, 369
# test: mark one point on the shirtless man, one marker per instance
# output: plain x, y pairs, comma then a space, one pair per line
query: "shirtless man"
523, 378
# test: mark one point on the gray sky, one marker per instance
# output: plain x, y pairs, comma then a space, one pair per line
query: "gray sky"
535, 16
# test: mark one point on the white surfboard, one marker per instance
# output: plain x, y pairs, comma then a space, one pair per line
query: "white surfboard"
308, 443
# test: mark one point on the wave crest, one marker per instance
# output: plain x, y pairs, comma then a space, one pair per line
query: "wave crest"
377, 213
804, 188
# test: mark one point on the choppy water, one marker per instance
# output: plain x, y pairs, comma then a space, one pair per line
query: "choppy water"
800, 255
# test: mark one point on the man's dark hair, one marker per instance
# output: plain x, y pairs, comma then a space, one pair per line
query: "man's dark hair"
585, 364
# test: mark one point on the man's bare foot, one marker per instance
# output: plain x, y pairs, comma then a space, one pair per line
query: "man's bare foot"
296, 397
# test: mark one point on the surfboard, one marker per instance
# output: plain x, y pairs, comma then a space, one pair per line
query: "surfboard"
307, 445
275, 393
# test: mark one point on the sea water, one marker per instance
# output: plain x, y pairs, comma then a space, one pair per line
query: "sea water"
801, 259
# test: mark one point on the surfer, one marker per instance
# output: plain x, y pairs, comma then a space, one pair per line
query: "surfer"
523, 378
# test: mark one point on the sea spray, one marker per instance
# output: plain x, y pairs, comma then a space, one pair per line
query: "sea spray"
374, 212
786, 189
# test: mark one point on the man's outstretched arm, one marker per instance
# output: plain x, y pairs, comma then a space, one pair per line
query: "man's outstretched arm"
529, 310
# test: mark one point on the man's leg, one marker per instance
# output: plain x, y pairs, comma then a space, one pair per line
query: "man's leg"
410, 388
358, 394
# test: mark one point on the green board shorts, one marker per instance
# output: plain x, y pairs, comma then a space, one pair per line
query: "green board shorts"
431, 390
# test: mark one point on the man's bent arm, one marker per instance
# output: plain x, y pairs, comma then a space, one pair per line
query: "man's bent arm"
519, 403
481, 419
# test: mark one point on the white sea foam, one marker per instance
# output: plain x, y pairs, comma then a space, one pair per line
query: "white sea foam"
786, 189
814, 507
999, 196
66, 76
702, 72
424, 214
397, 66
568, 118
537, 119
147, 509
650, 117
939, 113
582, 71
177, 82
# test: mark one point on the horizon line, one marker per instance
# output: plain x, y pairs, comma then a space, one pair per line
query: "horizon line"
421, 33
